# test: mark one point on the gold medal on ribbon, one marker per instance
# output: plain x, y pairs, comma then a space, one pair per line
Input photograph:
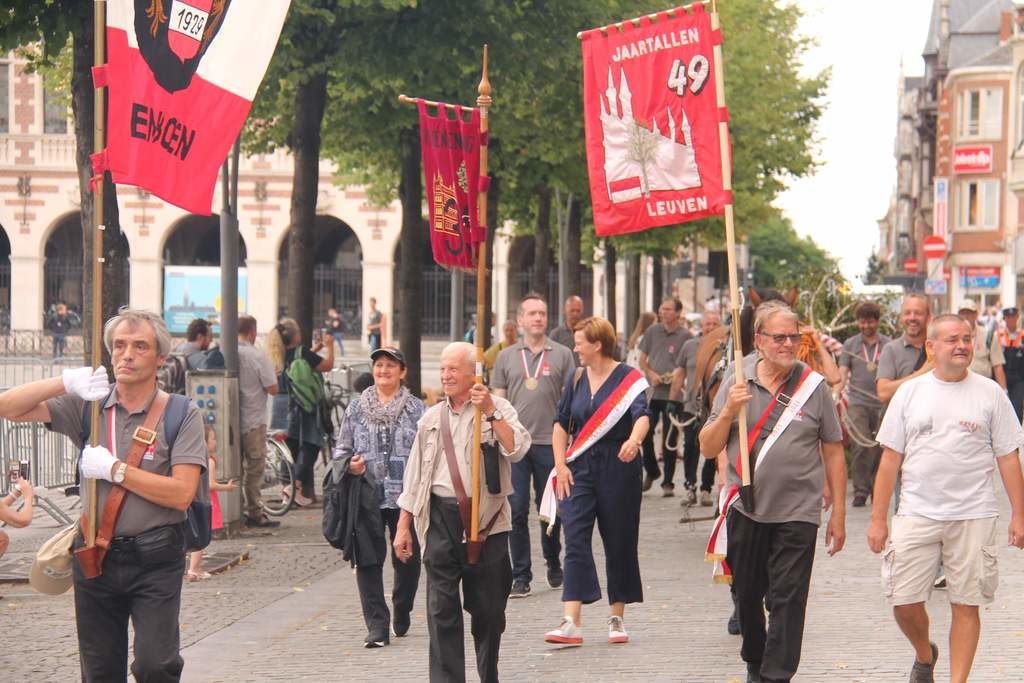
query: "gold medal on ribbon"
530, 381
872, 367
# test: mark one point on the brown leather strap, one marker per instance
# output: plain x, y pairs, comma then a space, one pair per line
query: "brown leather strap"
144, 437
453, 468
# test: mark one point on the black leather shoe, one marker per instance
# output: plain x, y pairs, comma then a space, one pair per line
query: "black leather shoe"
555, 576
262, 521
400, 624
753, 672
734, 623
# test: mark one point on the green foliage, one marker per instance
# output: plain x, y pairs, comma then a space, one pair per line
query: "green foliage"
874, 271
783, 259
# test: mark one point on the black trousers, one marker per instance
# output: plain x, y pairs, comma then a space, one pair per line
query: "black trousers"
149, 594
370, 581
1016, 392
691, 458
774, 561
485, 588
659, 410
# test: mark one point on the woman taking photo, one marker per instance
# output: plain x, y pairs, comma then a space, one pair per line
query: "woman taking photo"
376, 435
305, 433
604, 411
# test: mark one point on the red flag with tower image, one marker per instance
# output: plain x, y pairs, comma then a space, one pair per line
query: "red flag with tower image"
451, 166
181, 76
652, 121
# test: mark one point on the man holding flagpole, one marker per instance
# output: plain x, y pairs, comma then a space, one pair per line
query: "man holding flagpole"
795, 443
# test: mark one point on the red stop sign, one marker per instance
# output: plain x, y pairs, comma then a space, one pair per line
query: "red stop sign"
934, 247
910, 265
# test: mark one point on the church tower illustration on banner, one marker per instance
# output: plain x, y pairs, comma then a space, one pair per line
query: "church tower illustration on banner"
639, 160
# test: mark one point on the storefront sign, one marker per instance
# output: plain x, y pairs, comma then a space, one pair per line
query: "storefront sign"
980, 277
972, 159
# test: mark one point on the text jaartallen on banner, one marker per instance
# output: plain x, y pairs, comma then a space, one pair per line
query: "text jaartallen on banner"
651, 118
451, 167
181, 76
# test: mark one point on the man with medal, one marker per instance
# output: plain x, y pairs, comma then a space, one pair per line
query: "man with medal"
531, 374
859, 365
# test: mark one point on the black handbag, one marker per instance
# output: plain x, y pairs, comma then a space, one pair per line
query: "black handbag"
198, 525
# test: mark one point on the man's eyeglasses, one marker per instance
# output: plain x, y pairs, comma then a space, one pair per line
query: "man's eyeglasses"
780, 339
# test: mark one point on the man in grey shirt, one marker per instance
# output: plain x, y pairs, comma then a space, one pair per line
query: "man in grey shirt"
659, 350
531, 374
141, 572
859, 365
904, 357
573, 313
772, 546
684, 385
256, 381
198, 338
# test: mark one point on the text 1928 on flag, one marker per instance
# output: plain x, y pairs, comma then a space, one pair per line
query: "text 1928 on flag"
181, 76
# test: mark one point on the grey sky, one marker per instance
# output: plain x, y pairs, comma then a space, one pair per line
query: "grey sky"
864, 43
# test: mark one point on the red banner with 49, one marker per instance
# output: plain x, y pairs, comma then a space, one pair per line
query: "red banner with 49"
652, 122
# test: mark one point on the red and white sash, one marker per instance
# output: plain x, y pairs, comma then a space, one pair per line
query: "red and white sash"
604, 418
718, 542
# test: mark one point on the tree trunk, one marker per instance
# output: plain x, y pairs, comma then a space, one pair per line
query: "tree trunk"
542, 244
610, 284
573, 283
493, 195
632, 291
115, 246
657, 280
304, 142
413, 244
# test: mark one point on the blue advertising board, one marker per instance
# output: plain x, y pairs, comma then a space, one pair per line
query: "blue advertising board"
194, 292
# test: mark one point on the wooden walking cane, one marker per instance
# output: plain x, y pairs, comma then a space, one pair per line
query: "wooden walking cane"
746, 490
99, 141
484, 103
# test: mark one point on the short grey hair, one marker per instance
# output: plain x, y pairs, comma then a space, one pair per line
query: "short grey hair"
933, 326
135, 317
467, 350
769, 310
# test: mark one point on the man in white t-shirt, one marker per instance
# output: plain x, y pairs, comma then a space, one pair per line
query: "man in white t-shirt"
945, 432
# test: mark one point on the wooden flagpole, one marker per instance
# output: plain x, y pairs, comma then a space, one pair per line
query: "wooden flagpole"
730, 241
99, 141
484, 103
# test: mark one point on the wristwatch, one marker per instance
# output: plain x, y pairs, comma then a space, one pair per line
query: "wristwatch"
118, 477
495, 416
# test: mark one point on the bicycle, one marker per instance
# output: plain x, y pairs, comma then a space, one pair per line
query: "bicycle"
278, 487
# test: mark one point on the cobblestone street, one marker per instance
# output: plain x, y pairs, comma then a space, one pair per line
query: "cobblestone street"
292, 613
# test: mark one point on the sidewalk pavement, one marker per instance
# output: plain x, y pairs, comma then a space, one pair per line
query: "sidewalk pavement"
292, 613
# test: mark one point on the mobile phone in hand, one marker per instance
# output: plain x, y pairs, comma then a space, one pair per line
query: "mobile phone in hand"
24, 470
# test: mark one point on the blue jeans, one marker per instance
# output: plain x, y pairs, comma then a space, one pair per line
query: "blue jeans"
537, 463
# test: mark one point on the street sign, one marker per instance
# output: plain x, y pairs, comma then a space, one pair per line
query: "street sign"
980, 277
934, 247
935, 287
941, 207
910, 265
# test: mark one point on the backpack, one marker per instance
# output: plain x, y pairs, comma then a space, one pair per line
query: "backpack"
171, 375
197, 531
211, 360
305, 385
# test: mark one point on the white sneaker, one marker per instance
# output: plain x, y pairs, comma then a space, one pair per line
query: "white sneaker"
616, 631
568, 633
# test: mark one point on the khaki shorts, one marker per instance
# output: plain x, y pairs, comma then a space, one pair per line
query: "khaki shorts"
968, 552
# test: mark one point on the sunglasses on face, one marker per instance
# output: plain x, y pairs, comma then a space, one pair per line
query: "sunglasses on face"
780, 339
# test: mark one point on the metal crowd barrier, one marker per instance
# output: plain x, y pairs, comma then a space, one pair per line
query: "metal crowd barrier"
52, 459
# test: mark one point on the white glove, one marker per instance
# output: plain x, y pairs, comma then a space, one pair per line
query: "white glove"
97, 462
86, 383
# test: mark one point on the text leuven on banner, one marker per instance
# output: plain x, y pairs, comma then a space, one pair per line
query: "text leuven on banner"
451, 167
651, 116
181, 76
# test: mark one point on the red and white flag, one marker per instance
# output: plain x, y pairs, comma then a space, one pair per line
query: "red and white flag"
451, 168
181, 76
651, 115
